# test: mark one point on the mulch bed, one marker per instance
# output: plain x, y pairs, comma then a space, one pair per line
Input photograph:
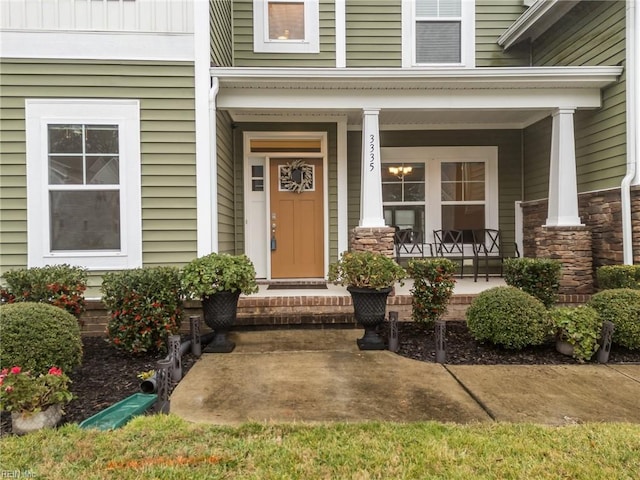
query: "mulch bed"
108, 376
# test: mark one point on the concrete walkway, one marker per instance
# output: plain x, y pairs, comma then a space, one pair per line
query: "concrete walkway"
320, 375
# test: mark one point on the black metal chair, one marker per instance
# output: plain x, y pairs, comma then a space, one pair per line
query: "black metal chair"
450, 244
409, 244
487, 247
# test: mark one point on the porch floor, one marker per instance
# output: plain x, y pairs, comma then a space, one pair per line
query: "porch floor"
464, 286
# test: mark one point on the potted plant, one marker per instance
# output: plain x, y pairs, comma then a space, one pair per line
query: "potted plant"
218, 279
576, 330
35, 401
369, 277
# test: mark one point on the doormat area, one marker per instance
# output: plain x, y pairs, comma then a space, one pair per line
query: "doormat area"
297, 286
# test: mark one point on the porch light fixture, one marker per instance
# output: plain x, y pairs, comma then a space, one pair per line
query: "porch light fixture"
400, 172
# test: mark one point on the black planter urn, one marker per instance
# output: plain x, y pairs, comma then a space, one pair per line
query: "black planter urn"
220, 311
370, 306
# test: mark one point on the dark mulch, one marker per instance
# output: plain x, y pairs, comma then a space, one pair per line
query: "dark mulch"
108, 376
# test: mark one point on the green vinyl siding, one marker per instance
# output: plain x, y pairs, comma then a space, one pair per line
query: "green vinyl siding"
167, 127
374, 34
537, 149
592, 33
332, 173
509, 166
493, 17
221, 45
226, 188
244, 56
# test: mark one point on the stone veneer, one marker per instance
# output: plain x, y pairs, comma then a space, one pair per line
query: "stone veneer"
572, 246
602, 213
373, 239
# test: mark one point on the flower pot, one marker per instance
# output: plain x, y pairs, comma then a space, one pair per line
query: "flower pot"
369, 306
22, 423
220, 311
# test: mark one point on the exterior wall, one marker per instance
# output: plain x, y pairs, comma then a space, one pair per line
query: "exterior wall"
332, 155
509, 161
537, 152
592, 33
374, 34
601, 213
226, 185
166, 96
493, 17
243, 41
221, 45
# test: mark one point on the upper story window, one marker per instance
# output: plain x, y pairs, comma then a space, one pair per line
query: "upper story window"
286, 26
438, 33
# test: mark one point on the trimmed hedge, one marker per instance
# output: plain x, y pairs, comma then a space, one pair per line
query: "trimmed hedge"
433, 284
621, 306
508, 317
145, 306
618, 276
38, 336
539, 277
59, 285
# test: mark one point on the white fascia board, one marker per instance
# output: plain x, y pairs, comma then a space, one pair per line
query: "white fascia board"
535, 21
435, 99
97, 45
485, 77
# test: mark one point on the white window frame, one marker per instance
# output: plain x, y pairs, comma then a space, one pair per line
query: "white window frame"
263, 44
39, 113
433, 157
467, 34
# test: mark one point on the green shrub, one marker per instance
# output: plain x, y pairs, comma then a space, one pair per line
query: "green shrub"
579, 326
621, 306
509, 317
539, 277
59, 285
618, 276
38, 336
433, 284
145, 305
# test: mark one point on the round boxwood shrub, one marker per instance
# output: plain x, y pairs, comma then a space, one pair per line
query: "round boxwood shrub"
622, 307
508, 317
37, 336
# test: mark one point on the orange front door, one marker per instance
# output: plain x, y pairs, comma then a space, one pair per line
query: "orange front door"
296, 218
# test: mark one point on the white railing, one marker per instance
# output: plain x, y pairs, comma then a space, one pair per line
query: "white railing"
161, 16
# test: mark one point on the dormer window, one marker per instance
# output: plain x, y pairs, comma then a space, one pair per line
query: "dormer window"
438, 33
286, 26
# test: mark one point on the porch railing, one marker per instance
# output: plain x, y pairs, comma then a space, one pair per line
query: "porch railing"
161, 16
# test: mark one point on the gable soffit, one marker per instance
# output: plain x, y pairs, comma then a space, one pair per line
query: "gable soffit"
536, 20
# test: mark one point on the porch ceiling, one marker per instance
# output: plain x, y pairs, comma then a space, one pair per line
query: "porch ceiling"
404, 119
435, 98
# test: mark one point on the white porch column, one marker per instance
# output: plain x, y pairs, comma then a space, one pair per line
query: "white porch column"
563, 186
371, 214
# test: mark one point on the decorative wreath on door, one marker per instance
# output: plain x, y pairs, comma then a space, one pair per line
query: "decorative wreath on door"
296, 176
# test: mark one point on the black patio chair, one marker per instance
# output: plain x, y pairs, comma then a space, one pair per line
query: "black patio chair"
409, 244
450, 244
487, 247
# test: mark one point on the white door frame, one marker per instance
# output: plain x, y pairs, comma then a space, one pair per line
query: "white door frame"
259, 248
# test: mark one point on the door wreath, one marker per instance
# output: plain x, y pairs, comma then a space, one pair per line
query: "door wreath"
296, 176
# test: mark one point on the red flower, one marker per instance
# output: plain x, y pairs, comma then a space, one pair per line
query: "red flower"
55, 371
16, 370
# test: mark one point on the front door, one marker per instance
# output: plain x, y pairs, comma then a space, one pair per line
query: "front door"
296, 218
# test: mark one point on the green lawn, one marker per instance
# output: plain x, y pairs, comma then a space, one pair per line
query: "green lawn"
166, 447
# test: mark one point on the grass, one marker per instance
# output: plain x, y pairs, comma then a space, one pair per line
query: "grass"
166, 447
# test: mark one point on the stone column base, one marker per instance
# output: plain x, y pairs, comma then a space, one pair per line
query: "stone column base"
372, 239
572, 246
